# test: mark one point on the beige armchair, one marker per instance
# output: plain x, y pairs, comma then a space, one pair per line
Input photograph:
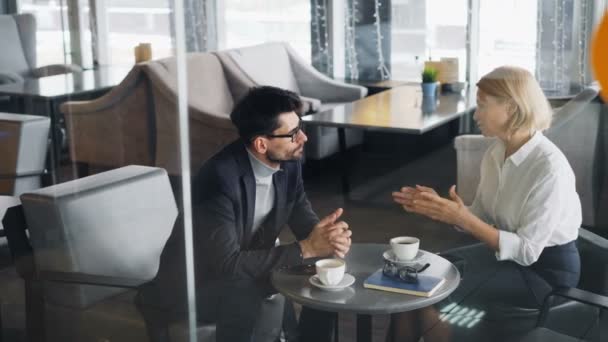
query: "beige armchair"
137, 121
211, 97
277, 64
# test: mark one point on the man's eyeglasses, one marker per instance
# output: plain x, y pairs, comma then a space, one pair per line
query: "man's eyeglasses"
293, 134
406, 274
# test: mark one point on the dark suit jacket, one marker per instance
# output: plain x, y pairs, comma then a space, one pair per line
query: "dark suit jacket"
224, 246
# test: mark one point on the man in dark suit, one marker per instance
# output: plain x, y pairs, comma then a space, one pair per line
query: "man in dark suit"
245, 195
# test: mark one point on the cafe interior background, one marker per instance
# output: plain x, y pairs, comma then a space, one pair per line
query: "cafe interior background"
111, 48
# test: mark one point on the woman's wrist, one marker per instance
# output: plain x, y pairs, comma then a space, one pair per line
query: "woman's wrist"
466, 220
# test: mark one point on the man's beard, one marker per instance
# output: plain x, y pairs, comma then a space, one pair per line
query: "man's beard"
275, 158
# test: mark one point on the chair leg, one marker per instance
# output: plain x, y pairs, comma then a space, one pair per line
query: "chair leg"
156, 327
1, 329
82, 169
34, 312
157, 334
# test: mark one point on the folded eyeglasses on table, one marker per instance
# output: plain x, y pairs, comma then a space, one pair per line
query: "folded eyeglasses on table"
407, 273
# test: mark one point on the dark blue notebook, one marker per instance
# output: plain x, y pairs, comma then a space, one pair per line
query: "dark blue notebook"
425, 287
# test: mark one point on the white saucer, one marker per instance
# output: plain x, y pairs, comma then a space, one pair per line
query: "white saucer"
390, 256
347, 281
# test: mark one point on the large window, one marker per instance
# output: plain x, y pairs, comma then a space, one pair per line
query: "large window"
130, 22
503, 41
249, 22
127, 23
550, 38
50, 47
423, 30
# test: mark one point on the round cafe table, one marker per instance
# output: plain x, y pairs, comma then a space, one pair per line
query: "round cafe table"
361, 262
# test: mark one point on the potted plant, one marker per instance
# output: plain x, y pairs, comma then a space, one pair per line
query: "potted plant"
429, 81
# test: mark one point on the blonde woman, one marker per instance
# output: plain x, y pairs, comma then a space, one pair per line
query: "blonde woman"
526, 208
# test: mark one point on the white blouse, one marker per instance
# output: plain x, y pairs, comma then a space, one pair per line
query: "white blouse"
530, 197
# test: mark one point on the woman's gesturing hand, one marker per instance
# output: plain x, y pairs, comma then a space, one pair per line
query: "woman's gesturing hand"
425, 201
448, 210
405, 197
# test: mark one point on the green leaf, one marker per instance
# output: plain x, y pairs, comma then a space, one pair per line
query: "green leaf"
429, 75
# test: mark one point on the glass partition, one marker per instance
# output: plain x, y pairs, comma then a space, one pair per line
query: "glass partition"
131, 230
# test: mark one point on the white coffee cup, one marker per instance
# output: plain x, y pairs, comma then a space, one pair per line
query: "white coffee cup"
405, 247
330, 271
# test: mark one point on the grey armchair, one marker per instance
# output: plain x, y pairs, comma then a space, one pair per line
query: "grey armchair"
277, 64
90, 243
23, 147
595, 248
18, 60
88, 240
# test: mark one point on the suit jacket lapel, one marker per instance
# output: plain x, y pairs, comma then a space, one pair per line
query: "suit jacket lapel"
248, 189
279, 180
280, 198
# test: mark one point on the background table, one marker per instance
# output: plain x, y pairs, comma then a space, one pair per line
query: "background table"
361, 262
42, 96
400, 110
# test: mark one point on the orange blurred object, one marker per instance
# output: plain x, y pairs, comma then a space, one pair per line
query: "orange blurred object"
599, 56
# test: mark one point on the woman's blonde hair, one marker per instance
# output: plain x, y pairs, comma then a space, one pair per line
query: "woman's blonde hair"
527, 103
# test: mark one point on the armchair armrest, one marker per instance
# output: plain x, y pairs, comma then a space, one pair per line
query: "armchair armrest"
22, 175
9, 77
314, 84
470, 149
89, 279
593, 239
575, 294
472, 142
572, 108
55, 69
106, 101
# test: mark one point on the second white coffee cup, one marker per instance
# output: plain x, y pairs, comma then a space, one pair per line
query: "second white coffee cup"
330, 271
405, 247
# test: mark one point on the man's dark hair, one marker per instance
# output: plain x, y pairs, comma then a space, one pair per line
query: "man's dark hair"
258, 112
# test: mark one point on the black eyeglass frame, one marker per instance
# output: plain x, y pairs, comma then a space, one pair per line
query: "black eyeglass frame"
292, 135
406, 274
